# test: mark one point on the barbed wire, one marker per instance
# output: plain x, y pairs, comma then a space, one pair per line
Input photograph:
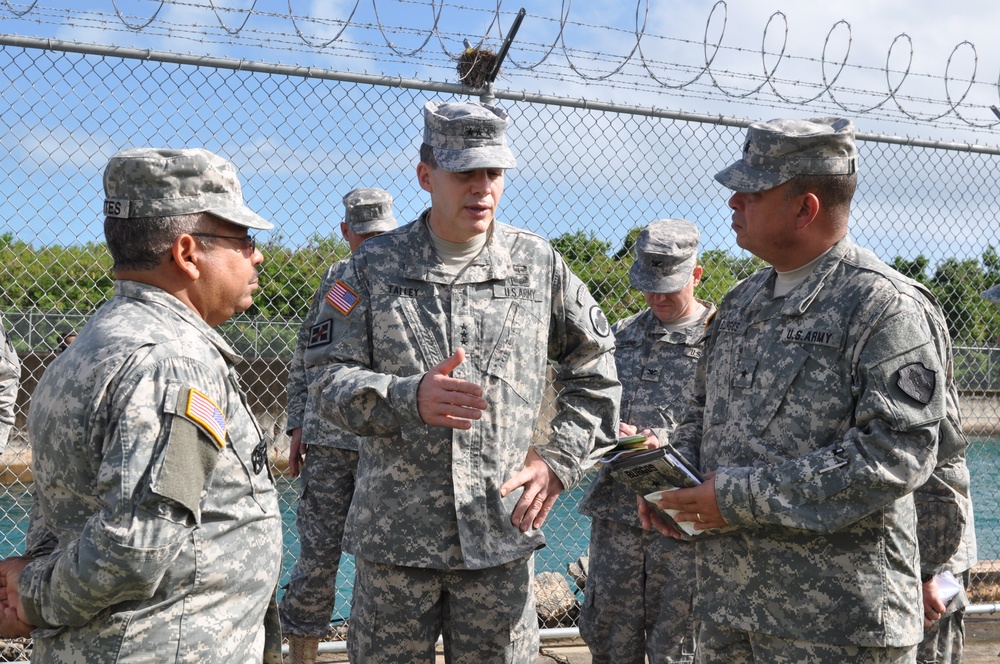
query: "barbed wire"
374, 41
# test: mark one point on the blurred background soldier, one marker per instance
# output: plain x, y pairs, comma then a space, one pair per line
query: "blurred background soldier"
10, 381
324, 457
637, 600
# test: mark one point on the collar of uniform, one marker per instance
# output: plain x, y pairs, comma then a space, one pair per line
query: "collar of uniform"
689, 336
797, 302
140, 291
420, 262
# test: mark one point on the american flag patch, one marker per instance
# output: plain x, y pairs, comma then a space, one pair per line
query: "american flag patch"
342, 298
203, 410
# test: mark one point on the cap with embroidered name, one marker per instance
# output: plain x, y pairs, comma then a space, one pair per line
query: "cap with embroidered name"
160, 182
777, 150
466, 136
369, 210
666, 253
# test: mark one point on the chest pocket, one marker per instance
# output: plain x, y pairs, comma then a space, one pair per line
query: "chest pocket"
422, 333
804, 385
512, 342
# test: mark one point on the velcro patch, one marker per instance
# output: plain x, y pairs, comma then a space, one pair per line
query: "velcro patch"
599, 322
917, 382
203, 410
809, 335
342, 298
320, 334
118, 208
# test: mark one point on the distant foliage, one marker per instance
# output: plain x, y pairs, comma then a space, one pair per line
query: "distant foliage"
76, 279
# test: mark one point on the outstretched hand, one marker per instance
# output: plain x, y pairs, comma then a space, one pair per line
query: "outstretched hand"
541, 488
444, 401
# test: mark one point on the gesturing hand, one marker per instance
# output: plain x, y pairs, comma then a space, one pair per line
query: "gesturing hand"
444, 401
541, 488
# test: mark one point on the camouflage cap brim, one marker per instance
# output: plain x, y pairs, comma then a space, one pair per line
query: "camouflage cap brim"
470, 159
650, 283
242, 216
992, 294
374, 226
743, 178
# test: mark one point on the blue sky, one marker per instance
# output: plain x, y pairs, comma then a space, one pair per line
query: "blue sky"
50, 153
596, 39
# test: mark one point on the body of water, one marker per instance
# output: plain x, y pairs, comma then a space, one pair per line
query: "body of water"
567, 532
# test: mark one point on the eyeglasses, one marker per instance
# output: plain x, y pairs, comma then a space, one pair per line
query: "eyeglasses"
247, 242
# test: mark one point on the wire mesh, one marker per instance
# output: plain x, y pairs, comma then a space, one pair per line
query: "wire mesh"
586, 180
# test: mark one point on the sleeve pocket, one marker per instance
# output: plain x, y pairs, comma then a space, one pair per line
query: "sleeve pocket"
188, 459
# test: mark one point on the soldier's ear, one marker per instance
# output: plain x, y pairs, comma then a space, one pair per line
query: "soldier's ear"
184, 252
808, 210
424, 177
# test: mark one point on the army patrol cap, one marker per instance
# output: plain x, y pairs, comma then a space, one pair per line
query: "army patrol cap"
992, 294
369, 210
159, 182
666, 252
465, 136
777, 150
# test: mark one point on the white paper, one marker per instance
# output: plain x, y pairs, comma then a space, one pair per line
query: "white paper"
686, 526
948, 586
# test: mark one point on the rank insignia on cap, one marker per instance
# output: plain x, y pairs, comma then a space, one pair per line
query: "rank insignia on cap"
342, 298
203, 410
319, 334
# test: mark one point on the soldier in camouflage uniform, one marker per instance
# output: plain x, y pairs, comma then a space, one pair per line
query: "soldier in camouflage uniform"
10, 381
328, 469
817, 406
944, 511
639, 587
946, 533
438, 356
155, 534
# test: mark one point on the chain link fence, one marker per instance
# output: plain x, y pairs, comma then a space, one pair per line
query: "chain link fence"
587, 178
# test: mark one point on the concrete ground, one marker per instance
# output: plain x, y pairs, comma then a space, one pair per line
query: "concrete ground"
982, 639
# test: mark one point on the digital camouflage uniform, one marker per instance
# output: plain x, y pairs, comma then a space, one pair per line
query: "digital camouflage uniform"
429, 497
820, 412
946, 532
637, 600
326, 482
10, 381
152, 484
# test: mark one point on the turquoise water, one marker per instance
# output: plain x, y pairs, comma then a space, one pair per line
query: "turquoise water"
567, 532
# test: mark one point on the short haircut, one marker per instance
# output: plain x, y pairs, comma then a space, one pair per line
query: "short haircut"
833, 191
427, 155
141, 243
